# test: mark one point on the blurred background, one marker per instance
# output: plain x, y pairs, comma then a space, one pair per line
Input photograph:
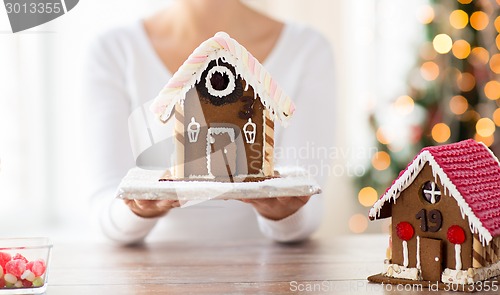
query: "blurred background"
409, 74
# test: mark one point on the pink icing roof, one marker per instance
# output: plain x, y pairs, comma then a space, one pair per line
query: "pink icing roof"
248, 67
471, 174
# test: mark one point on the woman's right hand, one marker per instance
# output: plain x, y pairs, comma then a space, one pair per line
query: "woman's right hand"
151, 208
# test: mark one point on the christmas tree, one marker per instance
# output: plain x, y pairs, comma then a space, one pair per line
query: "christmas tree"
453, 93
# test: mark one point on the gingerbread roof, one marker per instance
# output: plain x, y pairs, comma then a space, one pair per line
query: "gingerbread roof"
248, 67
469, 172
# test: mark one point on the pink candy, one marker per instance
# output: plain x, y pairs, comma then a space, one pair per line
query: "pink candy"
37, 267
21, 257
4, 258
15, 267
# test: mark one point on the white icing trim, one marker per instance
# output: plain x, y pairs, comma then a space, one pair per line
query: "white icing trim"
409, 176
418, 253
401, 272
230, 87
470, 276
458, 257
220, 130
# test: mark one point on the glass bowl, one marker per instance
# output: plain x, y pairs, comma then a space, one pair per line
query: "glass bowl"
24, 265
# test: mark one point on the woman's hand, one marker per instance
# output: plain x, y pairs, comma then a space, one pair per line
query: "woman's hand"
277, 208
151, 208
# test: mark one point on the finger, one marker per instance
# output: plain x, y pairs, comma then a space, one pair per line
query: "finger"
248, 201
145, 204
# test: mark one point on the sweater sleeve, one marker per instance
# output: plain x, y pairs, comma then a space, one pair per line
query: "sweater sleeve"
306, 141
107, 107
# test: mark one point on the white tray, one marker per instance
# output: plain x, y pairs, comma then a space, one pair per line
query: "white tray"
143, 184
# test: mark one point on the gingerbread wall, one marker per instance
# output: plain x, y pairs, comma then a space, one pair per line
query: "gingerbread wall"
249, 156
409, 205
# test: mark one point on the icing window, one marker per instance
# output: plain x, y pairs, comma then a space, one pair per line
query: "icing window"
219, 83
431, 192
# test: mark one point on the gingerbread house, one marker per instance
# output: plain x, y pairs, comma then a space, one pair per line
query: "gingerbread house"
223, 104
445, 209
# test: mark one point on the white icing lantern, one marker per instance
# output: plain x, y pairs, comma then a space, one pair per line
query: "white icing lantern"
250, 129
193, 130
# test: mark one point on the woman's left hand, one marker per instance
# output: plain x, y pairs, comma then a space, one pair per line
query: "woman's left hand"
277, 208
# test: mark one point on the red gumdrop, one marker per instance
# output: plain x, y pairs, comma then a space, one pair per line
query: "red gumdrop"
4, 258
2, 283
27, 283
456, 234
15, 267
37, 267
405, 231
21, 257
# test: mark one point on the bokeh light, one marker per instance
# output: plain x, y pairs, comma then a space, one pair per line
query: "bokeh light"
488, 140
358, 223
464, 1
381, 160
492, 90
367, 196
461, 49
427, 51
485, 127
381, 136
470, 115
441, 132
480, 54
466, 82
425, 14
458, 104
404, 105
459, 19
479, 20
497, 23
442, 43
429, 70
495, 63
496, 117
497, 41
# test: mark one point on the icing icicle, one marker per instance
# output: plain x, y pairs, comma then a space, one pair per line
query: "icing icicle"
418, 252
458, 257
405, 253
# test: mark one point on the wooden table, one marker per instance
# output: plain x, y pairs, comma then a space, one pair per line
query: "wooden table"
336, 266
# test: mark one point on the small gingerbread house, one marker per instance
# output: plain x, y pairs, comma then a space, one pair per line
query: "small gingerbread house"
445, 209
224, 104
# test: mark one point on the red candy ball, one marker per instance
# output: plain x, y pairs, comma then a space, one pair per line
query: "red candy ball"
456, 234
405, 231
15, 267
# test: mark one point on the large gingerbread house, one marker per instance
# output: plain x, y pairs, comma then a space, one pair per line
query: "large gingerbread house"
224, 104
445, 209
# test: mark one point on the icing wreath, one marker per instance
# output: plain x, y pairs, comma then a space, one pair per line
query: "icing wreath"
221, 85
